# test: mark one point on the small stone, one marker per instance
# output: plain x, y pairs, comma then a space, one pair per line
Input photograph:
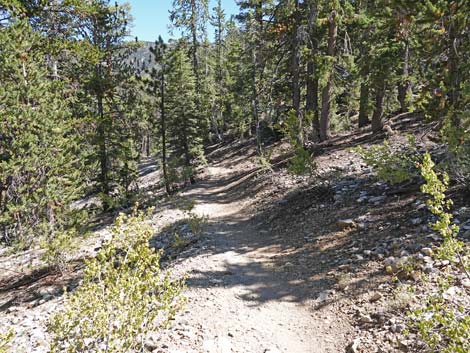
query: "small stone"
429, 268
367, 252
365, 319
421, 206
323, 296
397, 328
415, 275
389, 261
416, 221
375, 296
427, 251
345, 223
377, 199
354, 346
361, 226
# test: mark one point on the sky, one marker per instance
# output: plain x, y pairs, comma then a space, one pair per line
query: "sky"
151, 17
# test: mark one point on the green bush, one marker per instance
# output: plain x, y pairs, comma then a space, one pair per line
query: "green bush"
5, 339
443, 324
57, 247
302, 162
439, 206
392, 166
123, 297
264, 160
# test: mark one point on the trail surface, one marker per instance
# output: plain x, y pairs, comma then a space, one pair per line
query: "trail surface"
238, 299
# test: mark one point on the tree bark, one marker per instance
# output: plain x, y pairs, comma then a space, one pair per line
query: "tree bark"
296, 72
163, 135
453, 76
103, 154
404, 88
379, 109
328, 90
364, 105
311, 99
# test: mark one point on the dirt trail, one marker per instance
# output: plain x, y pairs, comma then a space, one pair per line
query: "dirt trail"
237, 298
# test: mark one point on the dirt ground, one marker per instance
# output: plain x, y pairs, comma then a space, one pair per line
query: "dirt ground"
285, 264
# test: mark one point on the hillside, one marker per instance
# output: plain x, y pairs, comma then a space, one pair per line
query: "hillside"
297, 264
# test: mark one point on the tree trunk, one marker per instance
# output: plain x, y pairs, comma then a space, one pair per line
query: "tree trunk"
404, 88
296, 72
103, 154
311, 99
453, 76
163, 135
364, 105
328, 90
311, 105
379, 109
256, 63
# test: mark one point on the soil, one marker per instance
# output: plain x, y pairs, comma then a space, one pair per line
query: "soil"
285, 263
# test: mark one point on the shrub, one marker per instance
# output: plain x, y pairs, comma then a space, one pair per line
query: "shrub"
444, 326
264, 160
302, 162
5, 339
439, 206
442, 322
57, 247
123, 297
392, 166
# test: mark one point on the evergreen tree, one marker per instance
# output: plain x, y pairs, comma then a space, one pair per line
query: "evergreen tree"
39, 171
109, 98
185, 140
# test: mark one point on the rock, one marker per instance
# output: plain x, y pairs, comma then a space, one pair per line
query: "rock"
377, 199
429, 268
421, 206
345, 223
428, 259
415, 275
354, 346
375, 296
324, 296
397, 328
427, 251
450, 293
466, 283
367, 252
361, 199
358, 257
416, 221
365, 319
390, 261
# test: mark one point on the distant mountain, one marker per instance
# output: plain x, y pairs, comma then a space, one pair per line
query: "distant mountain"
142, 58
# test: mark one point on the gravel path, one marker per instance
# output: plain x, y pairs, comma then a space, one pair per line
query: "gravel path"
238, 301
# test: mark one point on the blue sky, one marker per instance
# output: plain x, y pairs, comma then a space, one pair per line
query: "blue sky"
151, 17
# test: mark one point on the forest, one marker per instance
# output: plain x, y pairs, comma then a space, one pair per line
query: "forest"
100, 131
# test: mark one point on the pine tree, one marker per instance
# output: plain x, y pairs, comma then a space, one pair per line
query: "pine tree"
183, 129
156, 85
110, 99
39, 171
